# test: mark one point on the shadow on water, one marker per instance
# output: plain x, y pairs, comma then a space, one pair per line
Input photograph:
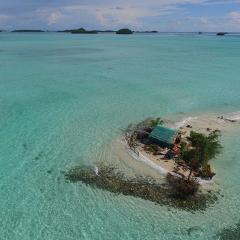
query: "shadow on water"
109, 179
230, 233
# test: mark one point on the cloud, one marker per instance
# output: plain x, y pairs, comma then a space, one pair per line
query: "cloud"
203, 20
51, 16
54, 17
125, 16
128, 16
4, 21
103, 15
131, 14
165, 15
4, 18
235, 16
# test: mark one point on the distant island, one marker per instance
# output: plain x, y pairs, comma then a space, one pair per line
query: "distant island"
154, 31
95, 31
124, 31
106, 31
80, 31
84, 31
27, 30
221, 33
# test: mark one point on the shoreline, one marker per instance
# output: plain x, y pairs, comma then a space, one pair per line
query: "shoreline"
150, 178
158, 166
201, 123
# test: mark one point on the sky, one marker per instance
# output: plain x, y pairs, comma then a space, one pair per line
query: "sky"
161, 15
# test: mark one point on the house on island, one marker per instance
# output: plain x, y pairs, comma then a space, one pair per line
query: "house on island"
164, 136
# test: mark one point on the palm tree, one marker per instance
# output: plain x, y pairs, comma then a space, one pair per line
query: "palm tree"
156, 121
205, 147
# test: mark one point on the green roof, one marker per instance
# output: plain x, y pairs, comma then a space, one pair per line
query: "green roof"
163, 135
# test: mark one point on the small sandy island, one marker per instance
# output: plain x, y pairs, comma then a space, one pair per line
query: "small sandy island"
165, 163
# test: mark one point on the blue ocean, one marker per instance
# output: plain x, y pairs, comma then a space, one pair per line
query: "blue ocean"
63, 97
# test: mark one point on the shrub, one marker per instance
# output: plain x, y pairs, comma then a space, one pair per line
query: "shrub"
153, 148
182, 187
205, 147
186, 154
206, 172
155, 122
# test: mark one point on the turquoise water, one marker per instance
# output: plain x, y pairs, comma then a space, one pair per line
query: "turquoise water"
62, 97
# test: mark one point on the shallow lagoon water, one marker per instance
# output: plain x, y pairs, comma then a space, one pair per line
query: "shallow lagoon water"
63, 97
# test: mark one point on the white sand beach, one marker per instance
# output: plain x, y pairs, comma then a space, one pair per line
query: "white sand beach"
203, 124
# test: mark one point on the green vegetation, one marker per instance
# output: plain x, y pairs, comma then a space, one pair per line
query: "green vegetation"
79, 31
195, 153
156, 121
27, 30
124, 31
83, 31
203, 148
192, 154
139, 133
193, 157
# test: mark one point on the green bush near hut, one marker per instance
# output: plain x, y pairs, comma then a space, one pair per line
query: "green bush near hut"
156, 121
203, 148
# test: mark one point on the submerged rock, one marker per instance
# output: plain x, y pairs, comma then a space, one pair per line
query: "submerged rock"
108, 178
182, 187
231, 233
194, 231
